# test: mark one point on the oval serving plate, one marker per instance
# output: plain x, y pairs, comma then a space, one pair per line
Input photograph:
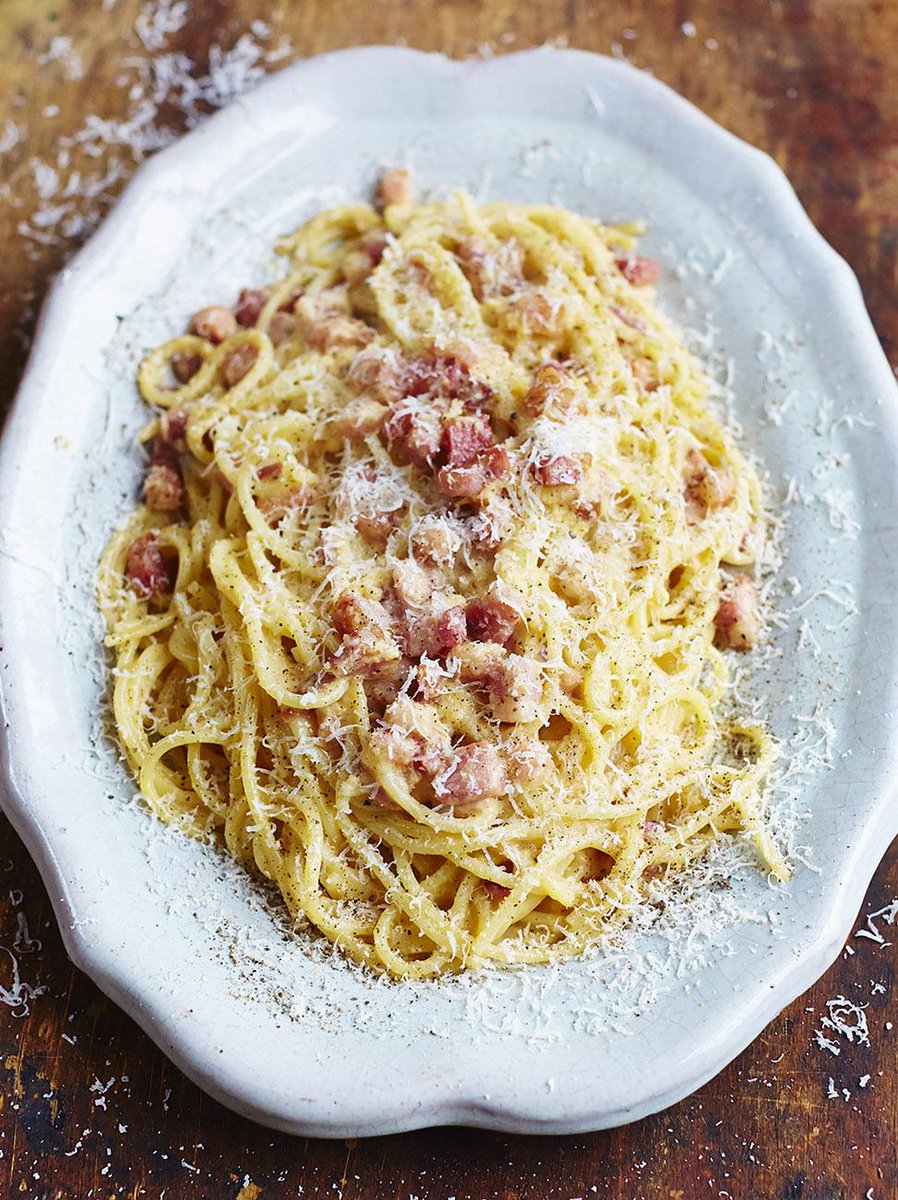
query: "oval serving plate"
263, 1017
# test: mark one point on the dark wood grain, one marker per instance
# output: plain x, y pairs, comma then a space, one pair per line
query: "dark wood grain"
88, 1106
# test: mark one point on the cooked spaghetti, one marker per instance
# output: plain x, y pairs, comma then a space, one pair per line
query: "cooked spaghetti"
427, 608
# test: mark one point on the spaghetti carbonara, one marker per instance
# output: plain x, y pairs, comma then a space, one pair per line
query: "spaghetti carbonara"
427, 609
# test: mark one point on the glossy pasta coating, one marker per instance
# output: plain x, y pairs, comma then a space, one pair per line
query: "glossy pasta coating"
419, 615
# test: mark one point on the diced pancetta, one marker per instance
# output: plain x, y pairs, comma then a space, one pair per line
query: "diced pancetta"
249, 305
432, 621
325, 321
237, 362
432, 679
442, 376
379, 373
557, 470
172, 428
282, 327
367, 641
535, 312
637, 270
464, 438
531, 763
374, 242
360, 416
490, 619
413, 735
594, 492
705, 488
492, 270
375, 527
433, 540
275, 507
184, 365
163, 487
513, 682
412, 434
737, 623
146, 571
214, 324
394, 187
476, 773
466, 483
576, 578
492, 524
553, 391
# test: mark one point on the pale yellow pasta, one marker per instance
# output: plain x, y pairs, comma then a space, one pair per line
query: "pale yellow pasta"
230, 701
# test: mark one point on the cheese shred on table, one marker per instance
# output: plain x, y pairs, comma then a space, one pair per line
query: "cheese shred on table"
427, 608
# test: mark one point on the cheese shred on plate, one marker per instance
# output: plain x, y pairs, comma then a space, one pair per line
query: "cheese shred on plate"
427, 608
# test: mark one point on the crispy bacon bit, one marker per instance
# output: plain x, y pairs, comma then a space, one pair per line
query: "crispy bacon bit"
737, 624
184, 365
705, 488
477, 773
556, 471
492, 271
434, 541
367, 639
172, 428
282, 327
537, 313
394, 187
553, 390
413, 735
249, 304
237, 362
214, 324
513, 683
490, 619
326, 322
269, 471
638, 270
464, 438
467, 482
360, 417
145, 569
163, 488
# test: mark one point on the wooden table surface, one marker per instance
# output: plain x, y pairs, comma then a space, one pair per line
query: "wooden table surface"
89, 1107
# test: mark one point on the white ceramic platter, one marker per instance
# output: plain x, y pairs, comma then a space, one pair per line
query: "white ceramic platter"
258, 1015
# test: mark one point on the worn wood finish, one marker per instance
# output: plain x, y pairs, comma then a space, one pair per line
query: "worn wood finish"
89, 1107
